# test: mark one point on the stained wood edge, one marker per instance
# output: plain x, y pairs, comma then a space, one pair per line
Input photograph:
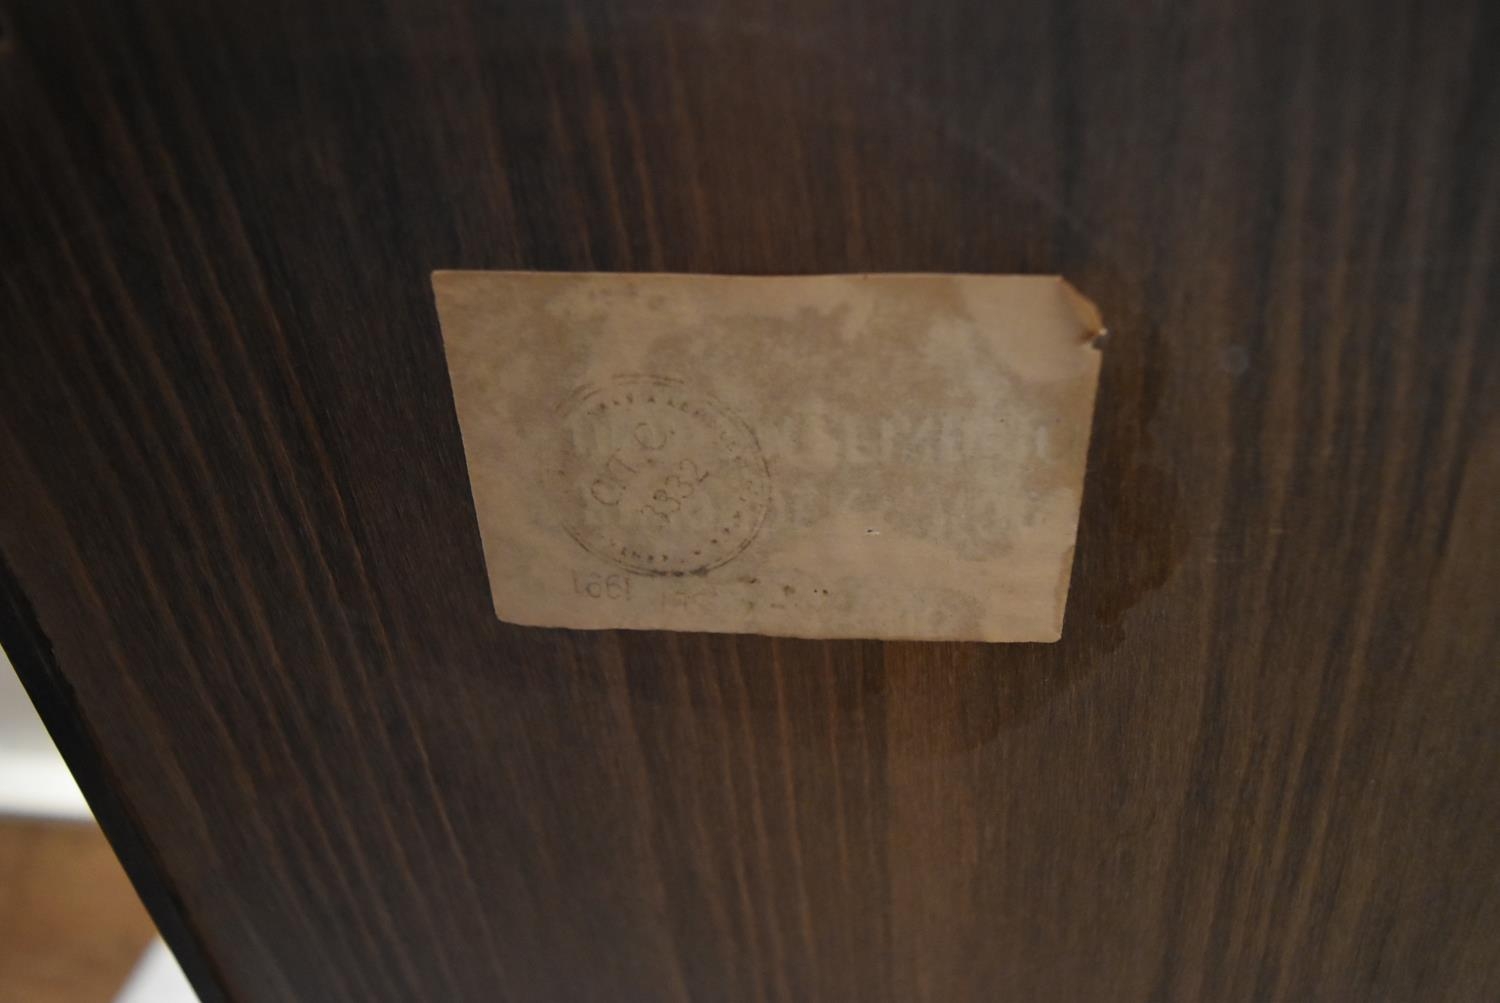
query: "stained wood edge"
30, 651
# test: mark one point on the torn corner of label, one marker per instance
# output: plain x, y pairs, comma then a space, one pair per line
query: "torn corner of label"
898, 457
1090, 320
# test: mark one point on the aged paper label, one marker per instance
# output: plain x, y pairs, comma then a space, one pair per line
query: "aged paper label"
874, 456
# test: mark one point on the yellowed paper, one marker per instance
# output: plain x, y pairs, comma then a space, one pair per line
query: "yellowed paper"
875, 456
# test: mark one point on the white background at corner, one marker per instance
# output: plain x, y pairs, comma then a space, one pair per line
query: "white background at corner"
35, 783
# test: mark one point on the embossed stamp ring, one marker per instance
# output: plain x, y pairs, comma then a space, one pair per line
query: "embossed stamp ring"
658, 478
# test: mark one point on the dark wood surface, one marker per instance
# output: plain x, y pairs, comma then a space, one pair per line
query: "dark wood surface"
245, 581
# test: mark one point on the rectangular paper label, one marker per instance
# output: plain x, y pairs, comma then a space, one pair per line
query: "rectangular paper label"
872, 456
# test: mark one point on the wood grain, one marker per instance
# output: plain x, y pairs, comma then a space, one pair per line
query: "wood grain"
246, 584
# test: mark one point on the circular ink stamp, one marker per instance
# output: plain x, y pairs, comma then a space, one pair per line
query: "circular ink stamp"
658, 478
